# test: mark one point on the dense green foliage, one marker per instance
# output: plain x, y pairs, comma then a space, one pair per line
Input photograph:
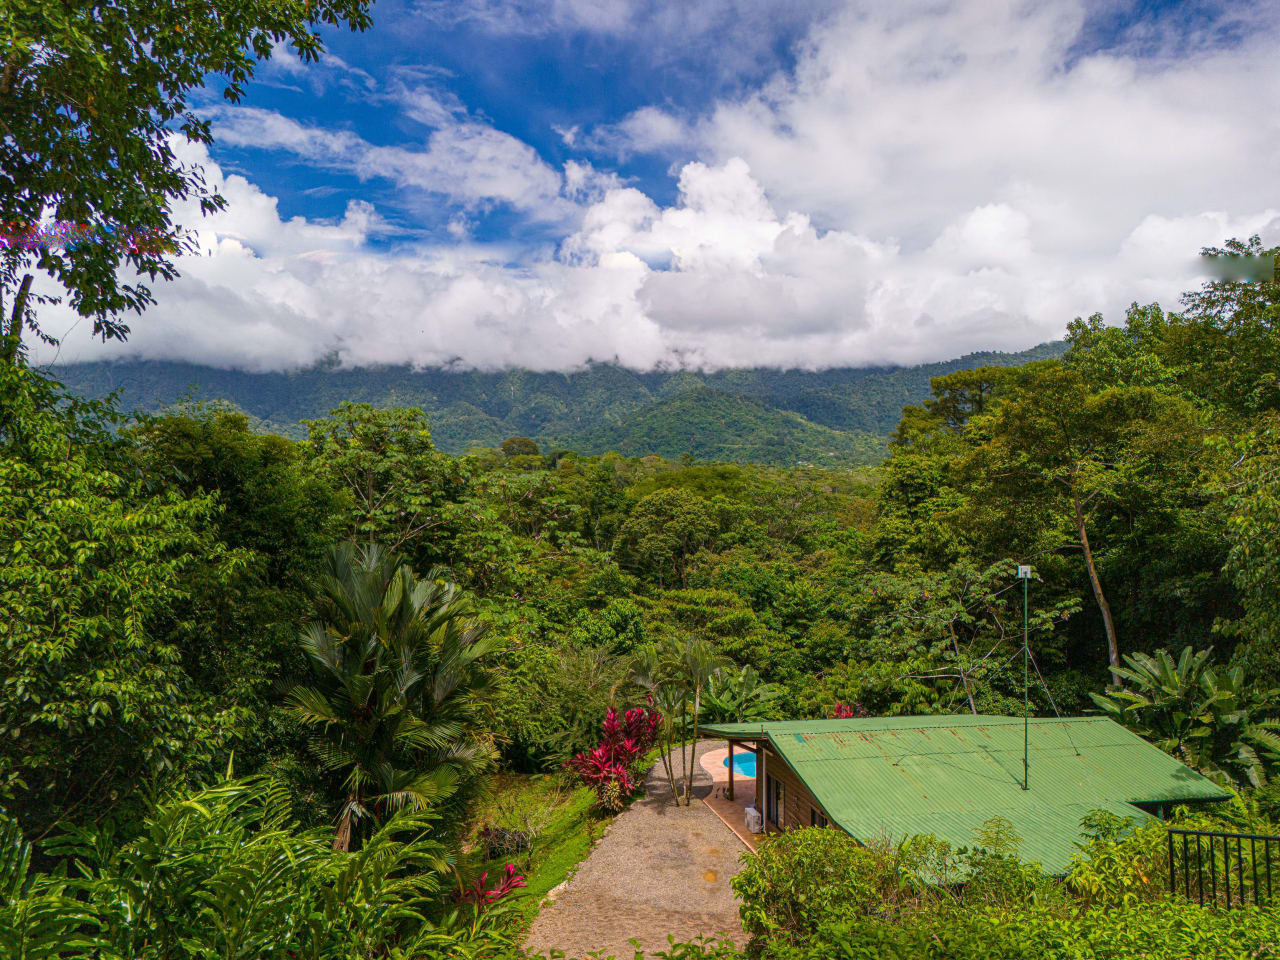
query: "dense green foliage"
1127, 474
716, 425
1153, 932
310, 696
761, 415
227, 873
815, 893
1204, 714
91, 558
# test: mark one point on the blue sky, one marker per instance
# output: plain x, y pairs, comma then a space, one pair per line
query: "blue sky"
533, 76
722, 182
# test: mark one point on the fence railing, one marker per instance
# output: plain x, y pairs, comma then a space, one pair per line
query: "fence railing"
1223, 869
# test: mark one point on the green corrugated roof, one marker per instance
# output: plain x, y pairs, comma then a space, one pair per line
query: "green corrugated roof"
947, 775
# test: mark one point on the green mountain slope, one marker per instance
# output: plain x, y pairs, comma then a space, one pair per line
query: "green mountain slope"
801, 412
713, 425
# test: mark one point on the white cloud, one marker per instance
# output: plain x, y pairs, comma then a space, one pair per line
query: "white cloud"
717, 279
270, 293
931, 179
466, 161
647, 130
899, 119
584, 183
431, 107
285, 63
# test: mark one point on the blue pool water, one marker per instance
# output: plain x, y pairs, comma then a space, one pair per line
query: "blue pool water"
744, 764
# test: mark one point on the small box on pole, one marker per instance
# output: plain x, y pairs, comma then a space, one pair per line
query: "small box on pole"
1024, 573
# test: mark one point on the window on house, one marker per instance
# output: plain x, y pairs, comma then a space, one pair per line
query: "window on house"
773, 800
816, 819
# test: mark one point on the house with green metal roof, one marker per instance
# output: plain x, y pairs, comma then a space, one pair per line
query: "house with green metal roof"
947, 775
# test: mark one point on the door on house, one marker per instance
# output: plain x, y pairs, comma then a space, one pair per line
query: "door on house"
772, 800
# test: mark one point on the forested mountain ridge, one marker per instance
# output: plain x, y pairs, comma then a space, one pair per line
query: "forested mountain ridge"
836, 416
717, 425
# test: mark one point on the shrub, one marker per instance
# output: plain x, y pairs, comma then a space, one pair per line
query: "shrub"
480, 895
609, 768
1152, 931
797, 881
807, 878
504, 841
994, 876
1118, 864
846, 711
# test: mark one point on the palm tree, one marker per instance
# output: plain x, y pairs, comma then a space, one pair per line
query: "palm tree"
653, 672
399, 689
696, 663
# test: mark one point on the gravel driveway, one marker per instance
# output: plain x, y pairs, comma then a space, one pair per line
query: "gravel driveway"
659, 869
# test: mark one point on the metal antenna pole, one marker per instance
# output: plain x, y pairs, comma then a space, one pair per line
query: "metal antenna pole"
1024, 574
1026, 702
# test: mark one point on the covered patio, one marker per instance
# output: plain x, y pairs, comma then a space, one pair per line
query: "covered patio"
731, 791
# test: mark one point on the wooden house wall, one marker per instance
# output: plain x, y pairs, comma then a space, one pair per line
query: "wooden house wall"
797, 801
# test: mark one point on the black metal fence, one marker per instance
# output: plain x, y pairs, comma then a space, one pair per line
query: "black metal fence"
1223, 869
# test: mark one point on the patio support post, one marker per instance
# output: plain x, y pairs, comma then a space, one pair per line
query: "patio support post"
730, 769
762, 761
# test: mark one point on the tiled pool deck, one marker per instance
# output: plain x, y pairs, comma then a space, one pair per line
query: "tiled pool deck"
732, 812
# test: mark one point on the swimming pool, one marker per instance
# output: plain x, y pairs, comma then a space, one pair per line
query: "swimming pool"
744, 764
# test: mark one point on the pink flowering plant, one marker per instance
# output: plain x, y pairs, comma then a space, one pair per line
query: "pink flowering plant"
482, 896
610, 768
482, 908
846, 711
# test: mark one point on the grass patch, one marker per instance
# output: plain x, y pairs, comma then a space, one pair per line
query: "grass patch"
571, 829
568, 842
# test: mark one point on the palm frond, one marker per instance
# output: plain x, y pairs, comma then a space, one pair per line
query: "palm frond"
312, 706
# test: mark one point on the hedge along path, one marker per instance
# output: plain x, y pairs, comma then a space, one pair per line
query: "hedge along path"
658, 870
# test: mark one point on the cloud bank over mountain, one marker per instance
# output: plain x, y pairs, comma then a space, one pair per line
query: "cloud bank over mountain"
917, 182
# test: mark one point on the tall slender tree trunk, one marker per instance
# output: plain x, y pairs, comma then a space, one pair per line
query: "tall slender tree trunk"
1113, 649
693, 748
684, 731
13, 336
668, 766
667, 742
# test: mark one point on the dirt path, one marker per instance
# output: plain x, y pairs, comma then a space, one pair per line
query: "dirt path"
659, 869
